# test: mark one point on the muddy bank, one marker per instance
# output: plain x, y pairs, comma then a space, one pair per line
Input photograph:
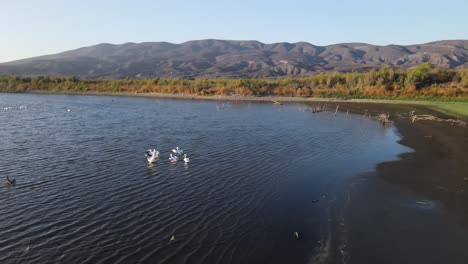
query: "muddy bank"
414, 210
438, 168
388, 224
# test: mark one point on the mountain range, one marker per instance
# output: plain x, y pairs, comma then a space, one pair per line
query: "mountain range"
235, 59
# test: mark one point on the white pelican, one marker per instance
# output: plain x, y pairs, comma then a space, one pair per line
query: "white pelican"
186, 159
150, 152
173, 158
178, 151
153, 157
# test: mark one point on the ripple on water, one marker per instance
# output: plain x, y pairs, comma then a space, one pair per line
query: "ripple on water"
85, 194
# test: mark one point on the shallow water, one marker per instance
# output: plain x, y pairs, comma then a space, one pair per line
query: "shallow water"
258, 173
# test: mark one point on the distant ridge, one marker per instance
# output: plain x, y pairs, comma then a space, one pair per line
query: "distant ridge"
232, 58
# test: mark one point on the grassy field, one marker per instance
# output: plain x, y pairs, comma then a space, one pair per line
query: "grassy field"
458, 109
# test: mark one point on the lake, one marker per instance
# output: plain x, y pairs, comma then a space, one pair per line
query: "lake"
258, 173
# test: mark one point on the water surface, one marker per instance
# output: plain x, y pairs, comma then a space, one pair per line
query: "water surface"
259, 172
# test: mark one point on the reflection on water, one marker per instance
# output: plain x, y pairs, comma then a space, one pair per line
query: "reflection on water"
258, 173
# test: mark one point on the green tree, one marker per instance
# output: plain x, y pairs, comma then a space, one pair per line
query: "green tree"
420, 76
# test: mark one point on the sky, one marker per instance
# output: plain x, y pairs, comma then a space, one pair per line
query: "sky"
39, 27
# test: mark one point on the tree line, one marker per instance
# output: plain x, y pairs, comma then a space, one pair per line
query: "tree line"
422, 81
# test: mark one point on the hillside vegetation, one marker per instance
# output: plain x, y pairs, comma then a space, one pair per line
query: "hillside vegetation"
422, 81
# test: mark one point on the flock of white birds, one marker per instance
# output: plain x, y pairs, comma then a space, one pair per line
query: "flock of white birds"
152, 155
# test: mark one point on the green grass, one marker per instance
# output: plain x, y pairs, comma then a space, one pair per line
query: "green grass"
458, 109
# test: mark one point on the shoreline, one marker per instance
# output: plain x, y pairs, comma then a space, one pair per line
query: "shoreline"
403, 207
454, 109
439, 156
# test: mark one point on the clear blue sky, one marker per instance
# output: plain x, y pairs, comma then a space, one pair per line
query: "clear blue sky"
32, 28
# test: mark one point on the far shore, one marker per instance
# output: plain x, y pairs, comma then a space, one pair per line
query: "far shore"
456, 109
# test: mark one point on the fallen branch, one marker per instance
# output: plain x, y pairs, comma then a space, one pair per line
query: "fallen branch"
435, 118
384, 118
336, 110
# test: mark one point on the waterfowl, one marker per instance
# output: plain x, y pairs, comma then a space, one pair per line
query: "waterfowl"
150, 152
296, 235
156, 153
186, 159
10, 181
178, 151
153, 157
173, 158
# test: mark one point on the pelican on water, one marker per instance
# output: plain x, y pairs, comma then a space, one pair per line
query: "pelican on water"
186, 159
173, 158
178, 151
154, 156
150, 153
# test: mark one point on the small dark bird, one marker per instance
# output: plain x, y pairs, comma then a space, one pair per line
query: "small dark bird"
296, 235
10, 181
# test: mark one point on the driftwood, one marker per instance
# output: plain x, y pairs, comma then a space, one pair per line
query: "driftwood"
318, 109
336, 110
415, 118
366, 113
384, 118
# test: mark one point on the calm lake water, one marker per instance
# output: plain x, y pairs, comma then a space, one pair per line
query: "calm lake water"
259, 172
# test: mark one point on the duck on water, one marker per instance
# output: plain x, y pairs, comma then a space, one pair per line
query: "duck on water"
10, 182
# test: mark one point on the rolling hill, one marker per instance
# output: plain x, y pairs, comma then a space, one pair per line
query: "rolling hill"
229, 58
